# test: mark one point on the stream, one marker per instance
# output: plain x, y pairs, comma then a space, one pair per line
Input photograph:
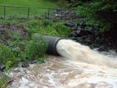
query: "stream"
58, 72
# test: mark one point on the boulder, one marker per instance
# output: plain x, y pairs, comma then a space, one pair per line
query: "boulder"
25, 64
2, 67
81, 23
73, 38
73, 34
72, 15
69, 24
81, 32
33, 62
2, 31
73, 29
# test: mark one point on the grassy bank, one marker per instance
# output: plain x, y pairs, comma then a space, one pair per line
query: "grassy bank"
25, 3
17, 38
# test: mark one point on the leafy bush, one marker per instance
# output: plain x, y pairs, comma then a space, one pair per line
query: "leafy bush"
46, 27
76, 3
47, 22
33, 23
36, 49
62, 30
101, 13
6, 55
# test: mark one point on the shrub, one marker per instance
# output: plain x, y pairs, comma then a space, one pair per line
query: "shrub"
6, 55
36, 49
62, 30
101, 13
47, 22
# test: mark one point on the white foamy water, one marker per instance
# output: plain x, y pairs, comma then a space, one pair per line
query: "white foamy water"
69, 71
77, 52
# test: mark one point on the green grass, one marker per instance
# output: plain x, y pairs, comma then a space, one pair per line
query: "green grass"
48, 28
25, 3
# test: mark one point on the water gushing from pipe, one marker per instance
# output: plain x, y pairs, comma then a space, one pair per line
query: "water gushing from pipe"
75, 51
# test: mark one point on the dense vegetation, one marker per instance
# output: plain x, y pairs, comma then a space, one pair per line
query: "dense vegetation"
100, 13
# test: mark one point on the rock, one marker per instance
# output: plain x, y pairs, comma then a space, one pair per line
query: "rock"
16, 71
62, 13
72, 15
73, 34
8, 43
78, 39
101, 48
33, 62
73, 38
58, 10
4, 78
25, 64
69, 24
19, 59
92, 46
66, 13
109, 44
2, 67
100, 41
81, 33
88, 40
78, 31
79, 28
15, 49
73, 29
81, 23
2, 31
90, 30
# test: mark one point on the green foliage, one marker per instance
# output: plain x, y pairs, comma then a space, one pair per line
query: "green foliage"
62, 30
6, 55
16, 36
46, 27
75, 3
36, 49
101, 13
49, 30
47, 22
30, 32
2, 81
33, 23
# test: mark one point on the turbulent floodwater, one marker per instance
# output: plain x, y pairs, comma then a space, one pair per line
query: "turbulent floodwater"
79, 67
80, 53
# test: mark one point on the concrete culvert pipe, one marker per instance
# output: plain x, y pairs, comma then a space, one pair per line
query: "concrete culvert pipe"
52, 41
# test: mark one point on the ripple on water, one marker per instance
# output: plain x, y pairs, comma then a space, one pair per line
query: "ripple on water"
61, 73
